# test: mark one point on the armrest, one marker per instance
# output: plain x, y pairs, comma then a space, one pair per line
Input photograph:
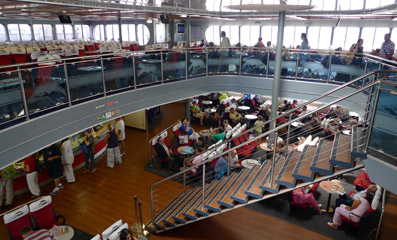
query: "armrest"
60, 216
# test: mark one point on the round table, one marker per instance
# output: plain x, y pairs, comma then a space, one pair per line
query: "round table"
207, 102
331, 187
266, 147
249, 163
182, 152
243, 108
63, 236
347, 132
297, 124
250, 117
205, 133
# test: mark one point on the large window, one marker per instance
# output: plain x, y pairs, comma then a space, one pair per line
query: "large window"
43, 32
231, 33
128, 32
314, 33
82, 31
367, 34
292, 36
112, 32
19, 32
99, 32
213, 5
380, 37
160, 33
324, 41
343, 40
3, 33
269, 33
64, 32
249, 35
212, 34
143, 34
385, 2
351, 36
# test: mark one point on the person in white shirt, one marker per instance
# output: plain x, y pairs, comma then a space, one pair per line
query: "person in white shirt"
120, 131
225, 43
234, 158
68, 159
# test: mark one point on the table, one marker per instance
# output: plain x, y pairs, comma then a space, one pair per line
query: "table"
90, 68
63, 236
347, 132
297, 124
266, 147
243, 108
250, 117
190, 149
207, 102
249, 163
331, 187
205, 134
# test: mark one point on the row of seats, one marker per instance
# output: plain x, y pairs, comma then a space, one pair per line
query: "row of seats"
112, 232
39, 214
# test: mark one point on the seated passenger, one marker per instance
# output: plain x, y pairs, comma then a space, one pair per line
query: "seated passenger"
347, 199
219, 135
259, 122
195, 108
217, 119
354, 213
235, 116
303, 195
200, 143
221, 164
226, 125
186, 129
165, 153
196, 160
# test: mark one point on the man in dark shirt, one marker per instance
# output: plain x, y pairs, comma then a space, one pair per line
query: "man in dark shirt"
52, 157
200, 143
90, 151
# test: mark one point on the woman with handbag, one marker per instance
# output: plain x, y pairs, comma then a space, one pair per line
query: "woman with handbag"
68, 159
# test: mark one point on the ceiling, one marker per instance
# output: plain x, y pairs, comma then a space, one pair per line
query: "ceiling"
80, 11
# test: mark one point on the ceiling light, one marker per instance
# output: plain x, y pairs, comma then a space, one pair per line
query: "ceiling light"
149, 20
183, 15
394, 19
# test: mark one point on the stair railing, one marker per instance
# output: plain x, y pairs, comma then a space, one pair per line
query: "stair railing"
273, 131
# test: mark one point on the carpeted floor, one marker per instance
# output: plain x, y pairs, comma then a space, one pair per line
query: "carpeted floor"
80, 235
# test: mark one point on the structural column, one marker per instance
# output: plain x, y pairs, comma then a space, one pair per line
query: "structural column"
187, 106
277, 69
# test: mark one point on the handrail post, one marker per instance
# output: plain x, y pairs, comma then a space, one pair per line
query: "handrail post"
67, 83
375, 105
329, 67
288, 133
162, 67
134, 70
184, 176
151, 202
365, 71
368, 106
25, 104
186, 63
296, 66
230, 158
206, 63
381, 215
202, 207
103, 77
273, 158
267, 63
241, 64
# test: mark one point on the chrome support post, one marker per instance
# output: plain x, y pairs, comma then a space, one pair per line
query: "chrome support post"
241, 64
368, 106
161, 67
103, 77
186, 64
202, 206
297, 66
151, 202
329, 67
381, 215
67, 83
371, 123
134, 69
230, 157
273, 158
206, 63
184, 176
267, 63
25, 104
288, 133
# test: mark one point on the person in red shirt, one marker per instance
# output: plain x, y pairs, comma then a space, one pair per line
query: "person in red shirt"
32, 176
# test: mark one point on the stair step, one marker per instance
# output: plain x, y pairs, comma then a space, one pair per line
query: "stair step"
221, 183
253, 189
225, 199
341, 152
285, 177
238, 194
302, 168
265, 184
190, 213
149, 226
321, 159
356, 141
213, 204
179, 215
168, 220
157, 220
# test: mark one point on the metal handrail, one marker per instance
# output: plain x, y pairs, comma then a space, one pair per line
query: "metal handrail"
270, 131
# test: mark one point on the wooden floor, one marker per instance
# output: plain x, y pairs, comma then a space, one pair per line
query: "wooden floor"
96, 200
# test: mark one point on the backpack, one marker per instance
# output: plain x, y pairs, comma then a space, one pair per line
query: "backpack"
40, 166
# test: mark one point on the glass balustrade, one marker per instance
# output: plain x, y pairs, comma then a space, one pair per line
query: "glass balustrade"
11, 103
148, 68
174, 65
118, 72
253, 62
196, 64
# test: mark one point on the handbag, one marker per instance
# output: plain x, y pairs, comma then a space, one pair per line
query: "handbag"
84, 148
184, 139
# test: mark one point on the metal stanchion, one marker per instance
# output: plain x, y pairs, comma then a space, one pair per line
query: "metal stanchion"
141, 235
136, 226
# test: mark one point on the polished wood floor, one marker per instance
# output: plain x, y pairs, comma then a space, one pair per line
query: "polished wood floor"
96, 200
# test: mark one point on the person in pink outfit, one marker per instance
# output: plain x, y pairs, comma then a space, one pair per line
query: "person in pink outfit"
304, 196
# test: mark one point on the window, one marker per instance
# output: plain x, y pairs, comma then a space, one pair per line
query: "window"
19, 32
318, 4
379, 37
339, 37
356, 4
42, 32
231, 33
213, 5
112, 32
249, 35
372, 4
82, 31
59, 31
298, 40
143, 34
160, 33
385, 2
64, 31
393, 35
99, 32
3, 36
324, 41
367, 34
212, 34
128, 32
329, 5
289, 36
351, 37
269, 33
48, 33
68, 31
313, 33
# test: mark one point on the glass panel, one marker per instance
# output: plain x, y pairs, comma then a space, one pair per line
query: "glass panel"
384, 134
367, 34
346, 67
289, 36
352, 37
38, 32
148, 68
68, 32
48, 34
3, 37
339, 37
356, 4
196, 63
175, 67
109, 32
86, 32
26, 32
212, 34
329, 4
59, 31
11, 105
313, 33
99, 32
380, 37
79, 31
116, 32
132, 34
13, 32
325, 38
124, 32
46, 84
160, 33
313, 65
118, 72
253, 62
143, 34
224, 60
298, 32
85, 78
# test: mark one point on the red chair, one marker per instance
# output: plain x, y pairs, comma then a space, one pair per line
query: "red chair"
306, 205
19, 54
135, 46
357, 224
43, 213
177, 132
5, 59
16, 220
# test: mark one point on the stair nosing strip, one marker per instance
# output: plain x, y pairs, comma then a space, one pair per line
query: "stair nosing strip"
242, 183
208, 205
184, 199
173, 202
300, 160
317, 154
219, 183
198, 199
257, 176
268, 172
240, 175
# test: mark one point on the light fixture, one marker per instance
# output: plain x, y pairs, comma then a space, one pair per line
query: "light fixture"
394, 19
183, 15
149, 20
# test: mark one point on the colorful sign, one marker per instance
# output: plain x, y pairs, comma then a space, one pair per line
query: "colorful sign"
108, 115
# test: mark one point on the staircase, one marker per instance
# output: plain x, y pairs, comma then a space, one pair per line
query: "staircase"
331, 156
246, 186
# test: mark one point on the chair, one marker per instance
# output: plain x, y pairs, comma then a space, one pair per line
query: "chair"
43, 213
116, 234
97, 237
5, 58
106, 234
306, 205
17, 219
19, 54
